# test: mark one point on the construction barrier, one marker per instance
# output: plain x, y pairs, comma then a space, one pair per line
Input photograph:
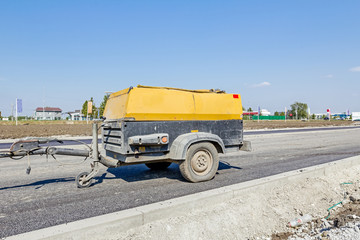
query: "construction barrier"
268, 117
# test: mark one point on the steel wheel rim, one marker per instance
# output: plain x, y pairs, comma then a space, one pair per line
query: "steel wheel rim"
82, 180
201, 162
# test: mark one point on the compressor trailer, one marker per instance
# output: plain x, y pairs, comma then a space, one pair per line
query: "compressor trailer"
157, 126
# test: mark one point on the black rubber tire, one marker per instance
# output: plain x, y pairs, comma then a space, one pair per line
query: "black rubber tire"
201, 162
158, 165
79, 181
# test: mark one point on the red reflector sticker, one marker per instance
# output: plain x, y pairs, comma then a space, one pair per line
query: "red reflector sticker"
235, 95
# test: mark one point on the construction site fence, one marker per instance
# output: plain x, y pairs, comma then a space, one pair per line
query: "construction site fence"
268, 117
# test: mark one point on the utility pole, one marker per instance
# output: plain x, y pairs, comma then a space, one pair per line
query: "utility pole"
16, 111
12, 111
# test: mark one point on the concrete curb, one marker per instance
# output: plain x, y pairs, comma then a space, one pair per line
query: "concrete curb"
113, 223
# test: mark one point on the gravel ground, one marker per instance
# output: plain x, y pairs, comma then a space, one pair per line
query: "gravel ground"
343, 225
264, 213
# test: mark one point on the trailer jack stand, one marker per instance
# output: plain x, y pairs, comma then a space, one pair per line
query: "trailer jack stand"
85, 179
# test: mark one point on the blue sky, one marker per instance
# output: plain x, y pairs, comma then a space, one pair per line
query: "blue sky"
61, 53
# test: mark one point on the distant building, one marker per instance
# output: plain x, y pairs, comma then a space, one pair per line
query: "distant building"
264, 112
250, 113
76, 116
319, 116
340, 116
355, 116
47, 113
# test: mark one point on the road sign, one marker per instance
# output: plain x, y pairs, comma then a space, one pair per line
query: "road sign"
89, 109
19, 105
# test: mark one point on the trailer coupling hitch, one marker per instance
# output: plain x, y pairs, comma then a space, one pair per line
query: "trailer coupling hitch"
47, 146
33, 146
44, 146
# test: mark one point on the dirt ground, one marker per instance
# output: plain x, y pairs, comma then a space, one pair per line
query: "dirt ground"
346, 213
8, 130
264, 213
44, 129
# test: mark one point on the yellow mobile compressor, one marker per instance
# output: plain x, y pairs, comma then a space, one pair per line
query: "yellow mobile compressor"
158, 126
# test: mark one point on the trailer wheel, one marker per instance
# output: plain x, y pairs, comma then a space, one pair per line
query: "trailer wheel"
80, 180
201, 162
158, 165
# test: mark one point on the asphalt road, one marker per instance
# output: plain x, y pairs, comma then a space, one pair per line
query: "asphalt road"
48, 196
6, 145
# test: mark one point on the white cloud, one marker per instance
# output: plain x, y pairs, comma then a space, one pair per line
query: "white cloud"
329, 76
263, 84
355, 69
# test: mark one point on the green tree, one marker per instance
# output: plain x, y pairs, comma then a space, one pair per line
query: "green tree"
103, 104
249, 109
313, 116
84, 108
276, 113
299, 110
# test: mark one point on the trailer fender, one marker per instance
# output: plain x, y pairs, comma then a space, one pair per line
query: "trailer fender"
181, 144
